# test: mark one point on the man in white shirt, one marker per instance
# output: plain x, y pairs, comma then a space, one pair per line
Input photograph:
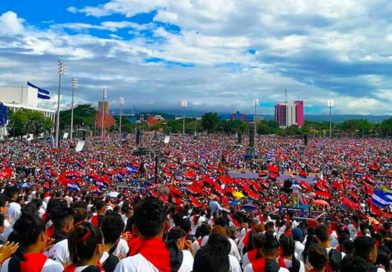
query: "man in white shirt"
152, 255
62, 218
14, 209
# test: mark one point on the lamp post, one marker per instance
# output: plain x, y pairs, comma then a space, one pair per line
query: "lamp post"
331, 104
122, 101
62, 67
256, 103
184, 104
104, 94
74, 86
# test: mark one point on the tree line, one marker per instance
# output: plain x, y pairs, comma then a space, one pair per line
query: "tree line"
24, 122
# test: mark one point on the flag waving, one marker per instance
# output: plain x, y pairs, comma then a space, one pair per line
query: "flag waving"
41, 93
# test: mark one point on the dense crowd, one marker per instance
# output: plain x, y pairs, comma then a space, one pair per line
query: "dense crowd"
197, 204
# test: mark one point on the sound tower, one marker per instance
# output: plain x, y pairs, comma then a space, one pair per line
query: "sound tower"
239, 140
306, 139
138, 136
251, 135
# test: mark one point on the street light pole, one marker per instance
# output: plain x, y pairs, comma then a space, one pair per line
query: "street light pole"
104, 94
74, 86
61, 71
184, 104
122, 101
331, 103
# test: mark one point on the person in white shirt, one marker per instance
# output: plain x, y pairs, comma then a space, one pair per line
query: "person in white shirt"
287, 258
4, 205
30, 231
269, 251
112, 227
14, 210
215, 256
63, 222
178, 245
152, 254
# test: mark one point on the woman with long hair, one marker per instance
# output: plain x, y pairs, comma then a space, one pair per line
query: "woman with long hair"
286, 257
85, 244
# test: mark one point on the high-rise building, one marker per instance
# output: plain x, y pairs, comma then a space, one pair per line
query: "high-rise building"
289, 113
105, 105
299, 111
280, 114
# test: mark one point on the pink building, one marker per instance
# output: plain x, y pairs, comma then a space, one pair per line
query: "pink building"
280, 114
299, 110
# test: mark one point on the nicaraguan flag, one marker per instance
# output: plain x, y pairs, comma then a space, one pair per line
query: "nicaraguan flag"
382, 199
73, 187
132, 169
120, 176
42, 94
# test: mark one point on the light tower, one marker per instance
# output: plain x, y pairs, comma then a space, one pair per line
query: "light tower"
184, 104
62, 67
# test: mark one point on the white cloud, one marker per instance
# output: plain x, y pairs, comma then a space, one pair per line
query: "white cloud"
10, 23
214, 37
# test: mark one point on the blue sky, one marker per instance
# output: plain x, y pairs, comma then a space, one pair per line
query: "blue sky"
218, 55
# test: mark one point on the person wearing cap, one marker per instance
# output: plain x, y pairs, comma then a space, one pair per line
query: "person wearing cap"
298, 237
269, 253
365, 248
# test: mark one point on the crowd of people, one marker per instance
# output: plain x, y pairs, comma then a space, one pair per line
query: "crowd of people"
196, 204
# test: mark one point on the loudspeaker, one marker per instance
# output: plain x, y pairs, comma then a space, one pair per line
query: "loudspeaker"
138, 136
239, 140
251, 134
306, 139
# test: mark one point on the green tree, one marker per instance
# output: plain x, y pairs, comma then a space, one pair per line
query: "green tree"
84, 115
386, 127
233, 126
24, 122
210, 121
267, 127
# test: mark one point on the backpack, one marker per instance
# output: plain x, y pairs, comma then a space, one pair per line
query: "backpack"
335, 258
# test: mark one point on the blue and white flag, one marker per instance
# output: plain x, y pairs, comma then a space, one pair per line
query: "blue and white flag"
382, 199
73, 187
41, 93
132, 169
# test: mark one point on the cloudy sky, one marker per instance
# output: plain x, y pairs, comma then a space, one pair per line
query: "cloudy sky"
218, 55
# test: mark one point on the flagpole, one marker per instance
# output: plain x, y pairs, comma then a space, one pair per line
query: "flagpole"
74, 86
61, 72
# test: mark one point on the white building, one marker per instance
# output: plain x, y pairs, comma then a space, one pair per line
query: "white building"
22, 97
